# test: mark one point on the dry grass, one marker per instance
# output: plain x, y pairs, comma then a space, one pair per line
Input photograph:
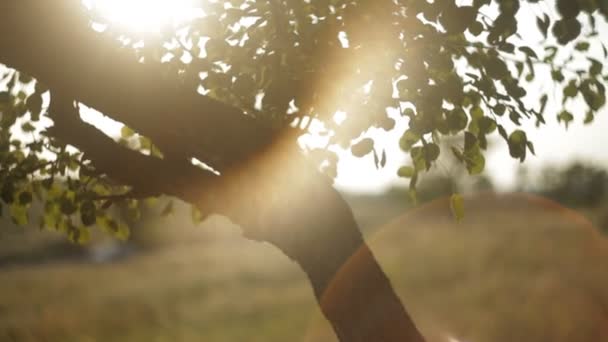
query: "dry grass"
517, 269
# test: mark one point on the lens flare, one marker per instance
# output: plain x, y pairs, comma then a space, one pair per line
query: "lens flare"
145, 15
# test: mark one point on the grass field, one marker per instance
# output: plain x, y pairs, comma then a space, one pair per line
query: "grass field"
518, 268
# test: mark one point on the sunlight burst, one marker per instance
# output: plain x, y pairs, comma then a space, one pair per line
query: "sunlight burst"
146, 15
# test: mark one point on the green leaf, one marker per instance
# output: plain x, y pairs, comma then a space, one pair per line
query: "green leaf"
593, 93
34, 105
67, 206
457, 154
19, 214
566, 117
406, 172
52, 214
431, 152
88, 213
528, 51
500, 109
457, 120
105, 223
409, 112
79, 235
506, 47
531, 147
571, 90
543, 104
582, 46
487, 125
457, 206
145, 143
126, 132
496, 68
408, 139
475, 161
476, 28
417, 155
517, 144
25, 198
476, 112
363, 147
470, 141
122, 232
27, 127
566, 29
383, 159
557, 75
596, 67
118, 229
589, 117
543, 24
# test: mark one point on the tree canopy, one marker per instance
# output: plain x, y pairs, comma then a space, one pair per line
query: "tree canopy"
446, 67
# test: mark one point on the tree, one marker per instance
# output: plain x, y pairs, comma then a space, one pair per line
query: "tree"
575, 185
265, 69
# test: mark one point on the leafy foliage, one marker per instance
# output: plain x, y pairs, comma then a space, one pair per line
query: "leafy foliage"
446, 69
38, 170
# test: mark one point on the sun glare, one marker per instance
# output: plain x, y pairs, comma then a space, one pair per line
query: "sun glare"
145, 15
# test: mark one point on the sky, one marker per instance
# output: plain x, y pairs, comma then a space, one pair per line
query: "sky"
554, 144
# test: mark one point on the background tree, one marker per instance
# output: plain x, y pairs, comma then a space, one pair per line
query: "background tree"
235, 88
578, 185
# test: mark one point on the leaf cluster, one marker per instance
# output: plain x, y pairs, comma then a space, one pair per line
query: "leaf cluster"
445, 69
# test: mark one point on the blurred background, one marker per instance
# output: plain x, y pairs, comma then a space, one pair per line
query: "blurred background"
527, 263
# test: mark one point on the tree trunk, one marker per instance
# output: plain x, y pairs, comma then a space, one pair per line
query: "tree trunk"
351, 288
268, 189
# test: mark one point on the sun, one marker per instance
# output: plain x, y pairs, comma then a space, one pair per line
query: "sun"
145, 16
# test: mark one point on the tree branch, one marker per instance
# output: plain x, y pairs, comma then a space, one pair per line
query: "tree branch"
269, 189
145, 174
61, 51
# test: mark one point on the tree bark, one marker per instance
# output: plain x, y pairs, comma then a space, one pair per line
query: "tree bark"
266, 185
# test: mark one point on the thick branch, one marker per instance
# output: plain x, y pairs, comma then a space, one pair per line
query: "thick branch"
52, 41
144, 173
